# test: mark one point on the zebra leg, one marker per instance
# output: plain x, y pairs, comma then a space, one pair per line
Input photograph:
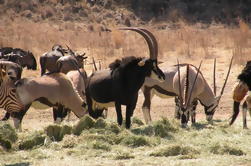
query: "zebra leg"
177, 108
6, 116
244, 115
147, 104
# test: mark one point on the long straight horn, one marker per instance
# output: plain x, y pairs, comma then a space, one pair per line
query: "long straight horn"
94, 64
195, 79
155, 43
76, 65
229, 68
146, 37
214, 77
180, 95
186, 87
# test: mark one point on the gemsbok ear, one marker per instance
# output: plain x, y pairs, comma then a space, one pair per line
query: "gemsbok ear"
141, 63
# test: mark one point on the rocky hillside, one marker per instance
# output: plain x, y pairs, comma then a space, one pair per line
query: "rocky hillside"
128, 12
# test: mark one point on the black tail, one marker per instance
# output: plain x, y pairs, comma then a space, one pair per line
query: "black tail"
236, 110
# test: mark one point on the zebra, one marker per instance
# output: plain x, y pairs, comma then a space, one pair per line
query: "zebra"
9, 73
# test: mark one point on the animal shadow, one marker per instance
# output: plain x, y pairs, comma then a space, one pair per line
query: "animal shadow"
199, 126
19, 164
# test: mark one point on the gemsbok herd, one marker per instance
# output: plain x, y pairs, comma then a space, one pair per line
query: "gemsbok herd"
65, 86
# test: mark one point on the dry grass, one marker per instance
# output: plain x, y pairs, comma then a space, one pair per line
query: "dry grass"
192, 41
99, 146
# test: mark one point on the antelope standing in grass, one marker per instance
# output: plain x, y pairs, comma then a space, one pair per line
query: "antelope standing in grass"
242, 89
187, 83
119, 85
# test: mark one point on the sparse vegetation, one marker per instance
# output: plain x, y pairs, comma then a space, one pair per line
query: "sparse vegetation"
99, 140
174, 150
92, 28
32, 140
226, 150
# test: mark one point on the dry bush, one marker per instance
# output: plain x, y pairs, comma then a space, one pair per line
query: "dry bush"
240, 38
118, 39
193, 41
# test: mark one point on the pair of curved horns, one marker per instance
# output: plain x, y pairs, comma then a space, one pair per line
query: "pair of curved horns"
150, 39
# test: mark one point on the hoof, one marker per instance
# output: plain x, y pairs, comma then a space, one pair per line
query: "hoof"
183, 125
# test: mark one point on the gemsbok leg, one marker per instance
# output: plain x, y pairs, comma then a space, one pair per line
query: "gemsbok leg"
147, 104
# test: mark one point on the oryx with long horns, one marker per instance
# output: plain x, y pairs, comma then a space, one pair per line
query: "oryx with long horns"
188, 84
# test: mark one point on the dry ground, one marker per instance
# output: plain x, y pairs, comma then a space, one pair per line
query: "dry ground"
188, 43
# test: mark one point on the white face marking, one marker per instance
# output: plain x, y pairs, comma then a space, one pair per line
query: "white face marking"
154, 76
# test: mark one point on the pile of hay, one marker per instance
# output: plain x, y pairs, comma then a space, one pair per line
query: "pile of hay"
56, 132
8, 135
162, 128
174, 150
86, 122
226, 150
33, 140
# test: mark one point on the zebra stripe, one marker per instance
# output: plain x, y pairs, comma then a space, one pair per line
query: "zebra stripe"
8, 98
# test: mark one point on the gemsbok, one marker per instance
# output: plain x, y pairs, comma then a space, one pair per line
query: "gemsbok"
52, 89
187, 84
